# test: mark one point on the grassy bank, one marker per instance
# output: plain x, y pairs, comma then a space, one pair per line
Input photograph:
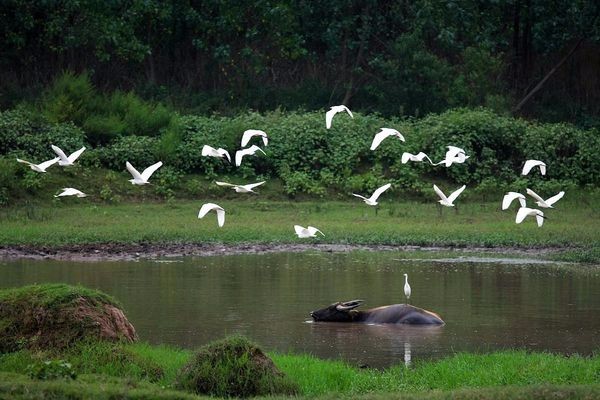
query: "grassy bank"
254, 220
141, 367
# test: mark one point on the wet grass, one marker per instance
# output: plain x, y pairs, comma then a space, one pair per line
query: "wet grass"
253, 220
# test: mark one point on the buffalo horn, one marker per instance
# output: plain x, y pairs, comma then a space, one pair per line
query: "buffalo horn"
348, 305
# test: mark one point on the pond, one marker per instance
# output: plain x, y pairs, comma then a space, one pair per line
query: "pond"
487, 304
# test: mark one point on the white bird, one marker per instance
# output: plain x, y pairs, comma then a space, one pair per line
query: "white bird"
406, 157
64, 160
407, 290
510, 197
524, 212
254, 132
448, 201
548, 202
39, 167
334, 110
71, 192
529, 164
453, 155
250, 151
213, 207
310, 231
372, 201
241, 188
384, 133
208, 151
142, 179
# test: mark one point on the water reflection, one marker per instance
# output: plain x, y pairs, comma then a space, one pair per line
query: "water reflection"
486, 306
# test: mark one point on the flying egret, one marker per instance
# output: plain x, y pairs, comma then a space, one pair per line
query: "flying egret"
384, 133
510, 197
71, 192
142, 179
406, 157
213, 207
39, 167
448, 201
453, 155
64, 160
254, 132
310, 231
250, 151
334, 110
524, 212
548, 202
407, 290
208, 151
529, 164
241, 188
372, 201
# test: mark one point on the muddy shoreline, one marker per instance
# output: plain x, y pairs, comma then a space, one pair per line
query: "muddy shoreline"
135, 251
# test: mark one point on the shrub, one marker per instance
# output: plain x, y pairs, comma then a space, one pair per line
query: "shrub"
69, 99
51, 369
233, 367
140, 151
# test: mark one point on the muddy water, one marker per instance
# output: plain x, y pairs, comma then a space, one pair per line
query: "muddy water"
486, 305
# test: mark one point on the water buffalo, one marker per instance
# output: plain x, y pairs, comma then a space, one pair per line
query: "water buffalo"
394, 314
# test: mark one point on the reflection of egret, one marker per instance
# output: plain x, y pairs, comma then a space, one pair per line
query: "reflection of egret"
407, 354
406, 288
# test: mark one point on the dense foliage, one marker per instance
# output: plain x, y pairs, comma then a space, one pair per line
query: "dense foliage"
406, 57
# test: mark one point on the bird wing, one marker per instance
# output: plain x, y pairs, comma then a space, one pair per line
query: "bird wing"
379, 136
555, 198
380, 190
48, 163
253, 132
312, 230
406, 157
329, 117
208, 150
253, 185
299, 230
223, 152
206, 207
509, 197
255, 148
75, 155
150, 170
456, 193
25, 162
440, 193
521, 214
348, 111
60, 153
542, 169
224, 183
535, 195
529, 164
358, 195
239, 155
220, 217
539, 217
421, 156
133, 171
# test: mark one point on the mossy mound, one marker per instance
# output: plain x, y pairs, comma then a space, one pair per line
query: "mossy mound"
55, 316
233, 367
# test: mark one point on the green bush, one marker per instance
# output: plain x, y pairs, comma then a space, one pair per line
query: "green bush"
70, 98
51, 369
140, 151
233, 367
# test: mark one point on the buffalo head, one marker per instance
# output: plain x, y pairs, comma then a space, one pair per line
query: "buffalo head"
337, 312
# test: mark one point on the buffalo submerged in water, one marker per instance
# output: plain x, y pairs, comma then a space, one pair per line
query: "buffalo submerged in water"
392, 314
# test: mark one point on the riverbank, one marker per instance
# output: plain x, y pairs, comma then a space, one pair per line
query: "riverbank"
153, 370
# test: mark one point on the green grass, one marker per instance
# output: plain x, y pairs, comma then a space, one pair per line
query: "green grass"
255, 220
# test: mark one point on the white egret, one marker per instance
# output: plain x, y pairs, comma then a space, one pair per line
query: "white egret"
39, 167
334, 110
529, 164
448, 201
241, 188
406, 157
510, 197
384, 133
64, 160
407, 290
213, 207
71, 192
524, 212
250, 151
548, 202
310, 231
254, 132
142, 179
372, 201
208, 151
453, 155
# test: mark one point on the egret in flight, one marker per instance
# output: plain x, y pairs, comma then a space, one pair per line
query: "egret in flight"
510, 197
39, 167
254, 132
372, 201
142, 179
241, 188
250, 151
384, 133
71, 192
406, 157
453, 155
334, 110
213, 207
525, 212
529, 164
64, 160
448, 201
548, 202
310, 231
208, 151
